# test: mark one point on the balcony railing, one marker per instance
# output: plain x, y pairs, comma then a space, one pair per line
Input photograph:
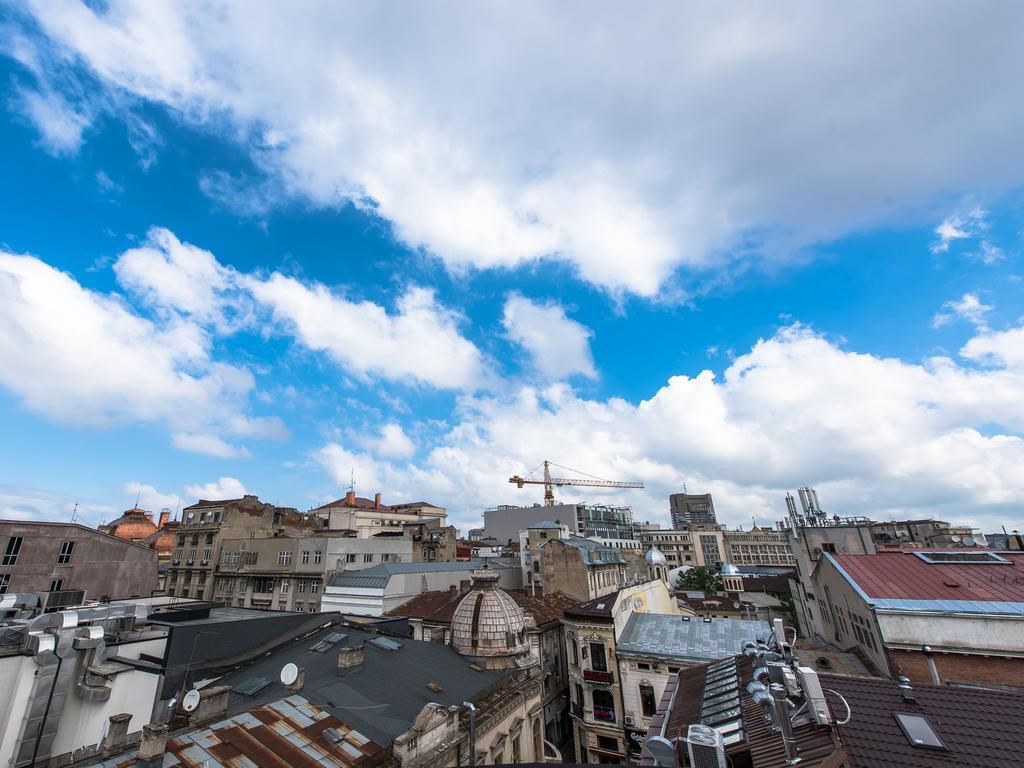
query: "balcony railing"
594, 676
604, 715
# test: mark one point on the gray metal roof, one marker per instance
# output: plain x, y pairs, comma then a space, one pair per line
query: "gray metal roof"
588, 547
379, 575
546, 524
380, 698
653, 634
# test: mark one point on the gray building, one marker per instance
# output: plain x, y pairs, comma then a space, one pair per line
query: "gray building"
52, 557
691, 509
504, 523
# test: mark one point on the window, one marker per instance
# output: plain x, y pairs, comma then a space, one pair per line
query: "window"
302, 585
5, 581
607, 742
647, 702
575, 652
300, 607
305, 556
314, 586
209, 538
284, 586
350, 558
284, 558
11, 553
206, 555
918, 730
64, 558
263, 585
598, 663
177, 555
368, 557
604, 706
318, 557
192, 555
828, 546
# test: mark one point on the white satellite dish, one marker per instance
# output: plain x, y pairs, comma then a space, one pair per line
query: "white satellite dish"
190, 701
662, 750
969, 541
289, 673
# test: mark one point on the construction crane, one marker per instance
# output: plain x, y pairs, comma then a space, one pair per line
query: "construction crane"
550, 482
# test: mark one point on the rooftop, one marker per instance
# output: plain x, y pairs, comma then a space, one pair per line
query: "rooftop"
971, 581
378, 576
591, 552
599, 609
439, 606
287, 732
379, 698
654, 634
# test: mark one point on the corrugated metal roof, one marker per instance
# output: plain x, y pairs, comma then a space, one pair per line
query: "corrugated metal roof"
904, 581
287, 732
661, 635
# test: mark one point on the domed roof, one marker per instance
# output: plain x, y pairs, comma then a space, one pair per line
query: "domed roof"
488, 623
728, 569
654, 556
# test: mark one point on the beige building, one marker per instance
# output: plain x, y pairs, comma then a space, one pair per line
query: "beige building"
595, 689
758, 546
581, 568
371, 517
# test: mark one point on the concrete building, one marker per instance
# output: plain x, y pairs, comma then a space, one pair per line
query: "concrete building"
530, 541
288, 573
943, 617
371, 517
758, 546
206, 524
383, 588
600, 732
503, 523
581, 568
926, 533
809, 537
691, 508
54, 557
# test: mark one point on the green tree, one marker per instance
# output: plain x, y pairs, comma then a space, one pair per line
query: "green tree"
699, 579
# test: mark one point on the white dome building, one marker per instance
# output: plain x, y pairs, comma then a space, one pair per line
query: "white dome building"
657, 565
489, 627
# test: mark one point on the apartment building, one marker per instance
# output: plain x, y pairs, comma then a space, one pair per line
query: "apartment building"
952, 617
691, 508
66, 557
205, 526
371, 517
758, 546
287, 573
581, 568
503, 523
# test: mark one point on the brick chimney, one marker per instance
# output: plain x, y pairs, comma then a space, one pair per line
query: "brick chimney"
117, 734
165, 515
376, 501
213, 703
153, 746
349, 658
350, 499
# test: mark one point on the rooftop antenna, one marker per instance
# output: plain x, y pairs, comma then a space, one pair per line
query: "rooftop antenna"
138, 498
685, 492
352, 481
74, 512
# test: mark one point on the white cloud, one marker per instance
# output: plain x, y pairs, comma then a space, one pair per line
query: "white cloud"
558, 346
959, 226
1001, 348
421, 342
59, 124
626, 143
208, 445
968, 307
875, 435
223, 488
35, 504
85, 358
392, 442
180, 278
150, 498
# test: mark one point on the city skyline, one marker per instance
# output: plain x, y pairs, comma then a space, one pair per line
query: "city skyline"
747, 263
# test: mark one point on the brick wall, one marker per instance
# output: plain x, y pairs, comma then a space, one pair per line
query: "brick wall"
959, 668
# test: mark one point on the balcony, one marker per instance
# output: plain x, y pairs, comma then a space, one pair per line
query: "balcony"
594, 676
603, 715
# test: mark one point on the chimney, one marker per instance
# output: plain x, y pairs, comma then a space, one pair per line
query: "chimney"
213, 703
464, 585
453, 590
117, 734
165, 515
376, 501
350, 499
154, 743
299, 681
348, 658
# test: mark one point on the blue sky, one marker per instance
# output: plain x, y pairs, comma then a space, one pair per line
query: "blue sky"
239, 252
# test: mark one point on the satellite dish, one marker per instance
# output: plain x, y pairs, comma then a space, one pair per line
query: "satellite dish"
956, 539
969, 541
191, 700
662, 750
289, 673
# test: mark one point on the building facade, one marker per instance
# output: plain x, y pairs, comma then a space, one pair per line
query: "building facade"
581, 568
55, 557
691, 508
371, 517
758, 546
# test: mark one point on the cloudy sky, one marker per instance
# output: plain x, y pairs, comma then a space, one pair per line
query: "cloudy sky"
427, 246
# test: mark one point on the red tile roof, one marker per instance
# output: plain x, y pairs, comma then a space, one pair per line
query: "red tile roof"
905, 576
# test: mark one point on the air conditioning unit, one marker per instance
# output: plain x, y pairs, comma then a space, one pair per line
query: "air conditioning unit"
629, 720
705, 747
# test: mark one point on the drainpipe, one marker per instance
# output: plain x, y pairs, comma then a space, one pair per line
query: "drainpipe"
927, 651
472, 732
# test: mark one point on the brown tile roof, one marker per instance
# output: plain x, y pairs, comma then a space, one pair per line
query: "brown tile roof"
546, 609
599, 609
979, 727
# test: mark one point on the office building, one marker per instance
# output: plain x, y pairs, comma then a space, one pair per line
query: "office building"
691, 509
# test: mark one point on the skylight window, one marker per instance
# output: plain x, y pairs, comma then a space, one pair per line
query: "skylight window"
961, 558
385, 643
918, 730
